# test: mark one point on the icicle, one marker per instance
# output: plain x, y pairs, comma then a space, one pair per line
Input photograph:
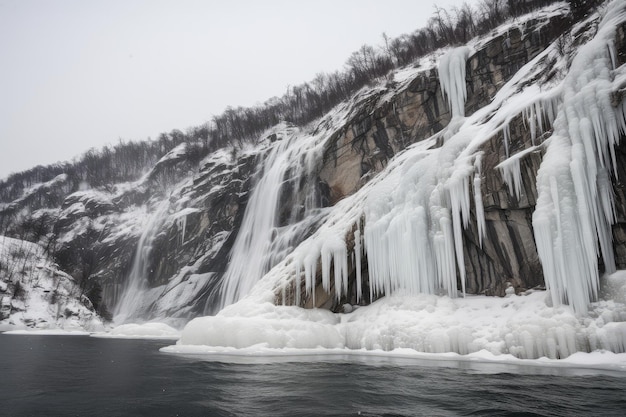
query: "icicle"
357, 264
298, 283
512, 175
459, 205
575, 208
444, 254
506, 134
181, 224
452, 79
478, 199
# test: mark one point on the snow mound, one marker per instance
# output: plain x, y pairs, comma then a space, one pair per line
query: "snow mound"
522, 326
266, 326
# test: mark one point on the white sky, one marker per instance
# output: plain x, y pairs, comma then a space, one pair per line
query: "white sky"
76, 74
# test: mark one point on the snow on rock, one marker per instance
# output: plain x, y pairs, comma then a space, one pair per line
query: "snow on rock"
140, 331
34, 294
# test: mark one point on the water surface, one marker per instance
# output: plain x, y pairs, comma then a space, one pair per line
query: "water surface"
83, 376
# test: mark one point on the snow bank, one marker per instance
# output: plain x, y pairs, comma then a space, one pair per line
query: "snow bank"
521, 326
579, 364
36, 295
266, 325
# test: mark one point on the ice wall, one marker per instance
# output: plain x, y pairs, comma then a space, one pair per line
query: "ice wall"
452, 79
575, 209
414, 216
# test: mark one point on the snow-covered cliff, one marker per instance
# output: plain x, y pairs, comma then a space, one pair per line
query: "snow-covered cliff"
490, 169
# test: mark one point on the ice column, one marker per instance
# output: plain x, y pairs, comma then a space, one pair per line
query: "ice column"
452, 79
574, 213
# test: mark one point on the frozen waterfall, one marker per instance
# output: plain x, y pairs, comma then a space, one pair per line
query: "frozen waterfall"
407, 228
575, 209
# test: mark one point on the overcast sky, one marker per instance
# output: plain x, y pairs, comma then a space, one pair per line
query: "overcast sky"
76, 74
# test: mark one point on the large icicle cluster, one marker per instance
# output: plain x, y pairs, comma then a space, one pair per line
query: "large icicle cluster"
414, 216
575, 209
409, 222
452, 79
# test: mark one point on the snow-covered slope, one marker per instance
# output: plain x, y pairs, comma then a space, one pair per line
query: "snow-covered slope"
35, 294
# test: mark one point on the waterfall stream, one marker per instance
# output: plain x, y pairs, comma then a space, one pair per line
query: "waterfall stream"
130, 305
263, 241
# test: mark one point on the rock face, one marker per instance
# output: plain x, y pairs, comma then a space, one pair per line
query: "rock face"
385, 123
197, 209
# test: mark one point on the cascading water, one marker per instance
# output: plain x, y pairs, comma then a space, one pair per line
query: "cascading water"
409, 222
262, 242
130, 305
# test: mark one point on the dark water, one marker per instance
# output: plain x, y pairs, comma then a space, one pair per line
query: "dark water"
82, 376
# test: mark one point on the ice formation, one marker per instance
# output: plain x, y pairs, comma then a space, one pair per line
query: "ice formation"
523, 326
407, 225
181, 221
140, 331
575, 210
414, 216
452, 79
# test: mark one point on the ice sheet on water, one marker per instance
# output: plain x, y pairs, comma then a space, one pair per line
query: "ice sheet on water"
48, 332
153, 330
